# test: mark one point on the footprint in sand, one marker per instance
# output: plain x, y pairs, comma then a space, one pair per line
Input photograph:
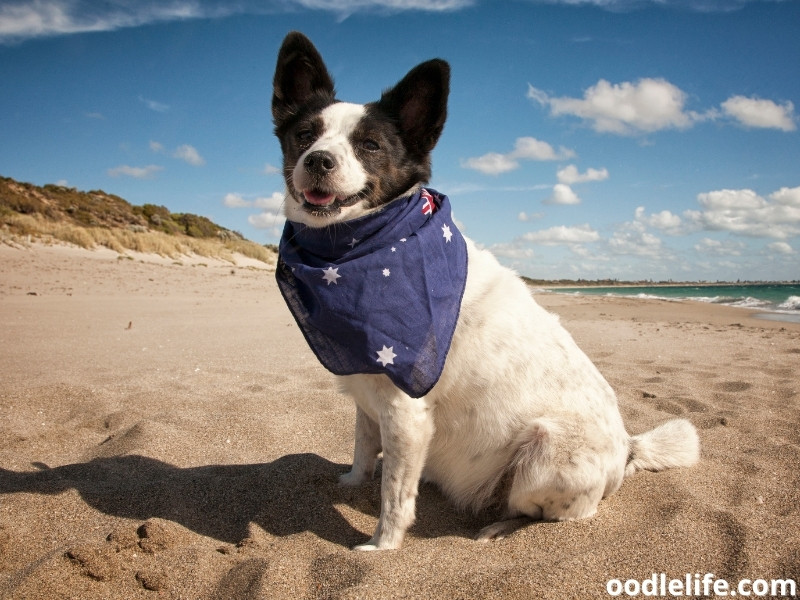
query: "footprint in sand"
244, 581
734, 386
334, 573
678, 406
95, 562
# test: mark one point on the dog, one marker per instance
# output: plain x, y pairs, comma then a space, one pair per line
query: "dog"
503, 409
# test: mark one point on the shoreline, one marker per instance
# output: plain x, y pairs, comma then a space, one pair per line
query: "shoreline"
761, 312
538, 283
165, 430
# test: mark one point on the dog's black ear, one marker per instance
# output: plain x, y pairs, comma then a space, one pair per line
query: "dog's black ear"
419, 104
300, 76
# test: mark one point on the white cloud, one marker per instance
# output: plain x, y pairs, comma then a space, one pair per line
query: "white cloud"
185, 152
561, 234
665, 221
492, 163
271, 203
708, 246
702, 6
731, 200
266, 220
189, 154
270, 169
135, 172
754, 112
626, 108
628, 240
40, 18
563, 194
633, 239
570, 175
525, 148
746, 213
649, 105
526, 217
154, 105
24, 19
781, 248
269, 218
787, 196
233, 200
529, 148
350, 6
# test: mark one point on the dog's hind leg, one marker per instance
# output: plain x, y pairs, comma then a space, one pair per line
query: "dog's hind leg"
365, 453
500, 529
557, 477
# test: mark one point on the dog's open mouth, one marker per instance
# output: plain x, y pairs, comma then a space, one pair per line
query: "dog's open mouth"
319, 197
324, 203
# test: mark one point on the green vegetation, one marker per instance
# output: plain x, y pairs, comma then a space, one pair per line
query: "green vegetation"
96, 218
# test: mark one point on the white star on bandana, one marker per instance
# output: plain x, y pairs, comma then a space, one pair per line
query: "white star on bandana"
386, 355
331, 275
446, 233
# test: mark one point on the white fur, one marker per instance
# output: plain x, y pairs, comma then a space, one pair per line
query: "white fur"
520, 415
517, 399
349, 178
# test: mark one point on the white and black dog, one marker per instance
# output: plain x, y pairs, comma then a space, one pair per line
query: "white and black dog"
459, 377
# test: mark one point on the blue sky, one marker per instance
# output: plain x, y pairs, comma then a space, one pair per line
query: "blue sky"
586, 138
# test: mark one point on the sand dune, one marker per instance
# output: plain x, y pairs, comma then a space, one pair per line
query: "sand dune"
165, 432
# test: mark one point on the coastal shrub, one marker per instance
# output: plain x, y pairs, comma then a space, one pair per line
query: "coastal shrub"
196, 226
107, 238
22, 224
158, 218
96, 218
71, 234
253, 250
26, 205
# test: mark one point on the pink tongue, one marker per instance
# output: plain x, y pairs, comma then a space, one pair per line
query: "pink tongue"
318, 198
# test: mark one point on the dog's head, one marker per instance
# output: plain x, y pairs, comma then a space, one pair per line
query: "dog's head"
341, 160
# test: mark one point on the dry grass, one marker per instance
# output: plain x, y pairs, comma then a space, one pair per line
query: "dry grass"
18, 228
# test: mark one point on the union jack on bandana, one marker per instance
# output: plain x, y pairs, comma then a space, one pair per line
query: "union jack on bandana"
380, 294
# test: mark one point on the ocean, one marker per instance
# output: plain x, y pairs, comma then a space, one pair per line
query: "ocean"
772, 301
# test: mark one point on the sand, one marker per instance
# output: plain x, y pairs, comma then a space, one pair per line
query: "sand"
166, 433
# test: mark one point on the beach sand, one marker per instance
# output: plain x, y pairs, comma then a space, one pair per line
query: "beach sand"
165, 432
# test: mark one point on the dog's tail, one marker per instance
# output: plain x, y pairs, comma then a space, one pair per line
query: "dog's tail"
673, 444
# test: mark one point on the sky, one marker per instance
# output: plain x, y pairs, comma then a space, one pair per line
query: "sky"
594, 139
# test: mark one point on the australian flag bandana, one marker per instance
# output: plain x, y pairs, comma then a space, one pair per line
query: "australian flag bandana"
379, 294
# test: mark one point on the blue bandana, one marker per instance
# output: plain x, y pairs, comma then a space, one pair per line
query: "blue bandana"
379, 294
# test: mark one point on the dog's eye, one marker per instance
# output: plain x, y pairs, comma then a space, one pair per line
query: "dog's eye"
305, 136
370, 145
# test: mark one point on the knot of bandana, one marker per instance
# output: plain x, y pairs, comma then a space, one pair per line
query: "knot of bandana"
379, 294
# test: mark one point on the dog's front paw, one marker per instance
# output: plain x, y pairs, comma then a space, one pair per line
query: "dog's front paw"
352, 479
373, 545
365, 547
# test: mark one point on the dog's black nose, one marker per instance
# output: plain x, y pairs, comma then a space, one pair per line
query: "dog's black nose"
320, 162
